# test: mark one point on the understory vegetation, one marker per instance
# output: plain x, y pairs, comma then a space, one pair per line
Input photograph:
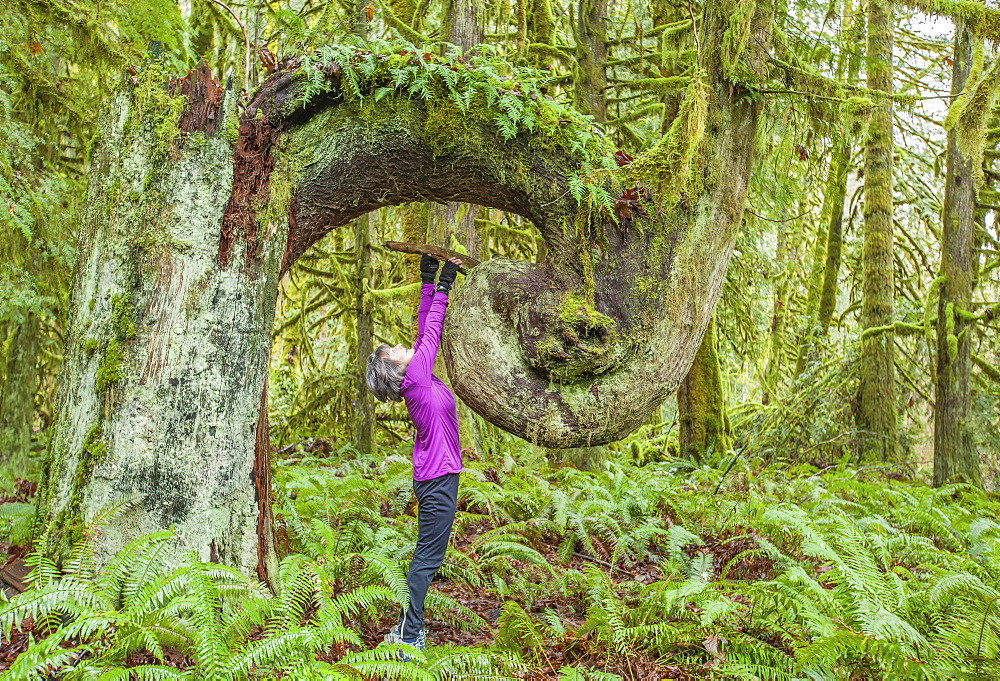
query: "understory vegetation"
666, 570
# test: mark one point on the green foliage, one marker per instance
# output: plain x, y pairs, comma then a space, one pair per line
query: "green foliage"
783, 575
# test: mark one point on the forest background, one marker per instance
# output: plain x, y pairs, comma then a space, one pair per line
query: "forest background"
851, 364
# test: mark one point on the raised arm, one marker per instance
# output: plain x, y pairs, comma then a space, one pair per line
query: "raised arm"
428, 269
429, 338
426, 297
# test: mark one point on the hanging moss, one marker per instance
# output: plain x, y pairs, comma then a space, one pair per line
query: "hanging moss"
666, 168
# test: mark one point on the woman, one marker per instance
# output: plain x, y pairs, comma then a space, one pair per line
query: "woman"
396, 373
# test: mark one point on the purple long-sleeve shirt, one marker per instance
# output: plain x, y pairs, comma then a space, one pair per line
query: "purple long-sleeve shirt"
436, 451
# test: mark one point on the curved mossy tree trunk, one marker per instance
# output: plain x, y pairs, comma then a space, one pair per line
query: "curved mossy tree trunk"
955, 454
185, 238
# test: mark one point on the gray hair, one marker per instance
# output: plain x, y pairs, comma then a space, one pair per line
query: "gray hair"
384, 376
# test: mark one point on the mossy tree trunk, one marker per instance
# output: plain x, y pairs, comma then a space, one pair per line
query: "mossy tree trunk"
834, 234
159, 401
776, 329
185, 237
589, 78
701, 404
822, 300
955, 454
17, 395
877, 397
823, 282
363, 434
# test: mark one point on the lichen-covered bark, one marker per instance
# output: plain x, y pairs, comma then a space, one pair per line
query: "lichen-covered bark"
159, 400
955, 454
877, 398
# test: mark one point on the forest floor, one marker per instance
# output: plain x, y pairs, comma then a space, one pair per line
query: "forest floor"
661, 571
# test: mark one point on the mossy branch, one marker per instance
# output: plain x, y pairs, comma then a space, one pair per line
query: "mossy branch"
991, 371
979, 19
900, 328
661, 84
551, 51
401, 26
647, 110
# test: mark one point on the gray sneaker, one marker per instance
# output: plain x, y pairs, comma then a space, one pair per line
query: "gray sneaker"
393, 637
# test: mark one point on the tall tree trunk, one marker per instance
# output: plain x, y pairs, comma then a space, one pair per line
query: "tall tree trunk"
822, 294
589, 79
160, 399
463, 24
17, 395
701, 404
877, 398
955, 454
777, 327
834, 235
363, 437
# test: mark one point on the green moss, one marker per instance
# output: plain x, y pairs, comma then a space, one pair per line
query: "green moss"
443, 126
90, 346
109, 371
231, 129
577, 311
122, 317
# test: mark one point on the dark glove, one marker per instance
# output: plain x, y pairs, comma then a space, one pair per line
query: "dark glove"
447, 277
428, 268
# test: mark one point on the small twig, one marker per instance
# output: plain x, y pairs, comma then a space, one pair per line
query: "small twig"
602, 562
694, 33
773, 220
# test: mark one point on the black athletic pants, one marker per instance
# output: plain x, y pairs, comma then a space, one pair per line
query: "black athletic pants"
436, 501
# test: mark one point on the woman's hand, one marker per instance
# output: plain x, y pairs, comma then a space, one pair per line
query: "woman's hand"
428, 268
448, 273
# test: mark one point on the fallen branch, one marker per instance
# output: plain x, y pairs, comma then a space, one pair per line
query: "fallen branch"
603, 562
433, 251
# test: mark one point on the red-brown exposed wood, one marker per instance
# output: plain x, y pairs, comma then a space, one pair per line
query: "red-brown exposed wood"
204, 96
262, 487
252, 168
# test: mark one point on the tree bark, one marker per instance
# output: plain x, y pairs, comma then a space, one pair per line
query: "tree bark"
701, 404
17, 395
159, 403
955, 454
589, 79
363, 436
185, 237
877, 399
